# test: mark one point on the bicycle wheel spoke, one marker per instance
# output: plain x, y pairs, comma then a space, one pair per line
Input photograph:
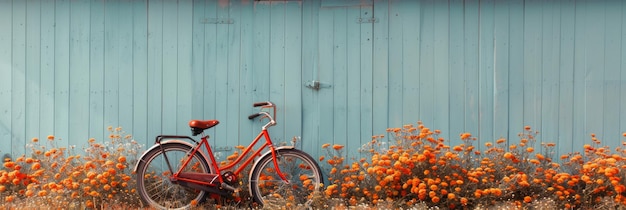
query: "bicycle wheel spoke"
155, 187
302, 180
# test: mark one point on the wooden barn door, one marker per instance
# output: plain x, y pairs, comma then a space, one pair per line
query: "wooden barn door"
337, 100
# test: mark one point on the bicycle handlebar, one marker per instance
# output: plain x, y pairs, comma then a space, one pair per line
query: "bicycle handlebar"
265, 104
252, 116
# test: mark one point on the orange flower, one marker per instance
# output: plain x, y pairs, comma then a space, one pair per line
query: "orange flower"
337, 147
50, 137
464, 201
42, 193
121, 159
527, 128
530, 149
457, 148
528, 199
324, 146
9, 164
435, 199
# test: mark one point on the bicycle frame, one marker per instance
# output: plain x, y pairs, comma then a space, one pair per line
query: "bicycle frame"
208, 179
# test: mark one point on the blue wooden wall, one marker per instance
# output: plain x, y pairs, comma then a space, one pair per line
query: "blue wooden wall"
489, 67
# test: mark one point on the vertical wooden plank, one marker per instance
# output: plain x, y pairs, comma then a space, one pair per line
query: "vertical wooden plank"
197, 59
395, 98
516, 69
354, 39
170, 68
339, 73
155, 66
486, 81
578, 131
140, 71
33, 70
277, 66
380, 66
293, 73
184, 94
612, 43
96, 70
471, 63
18, 77
426, 76
411, 59
221, 75
441, 68
566, 77
246, 92
78, 73
325, 102
365, 104
594, 69
550, 73
124, 32
622, 89
232, 101
501, 70
310, 50
46, 112
532, 63
6, 70
61, 69
456, 57
210, 69
112, 63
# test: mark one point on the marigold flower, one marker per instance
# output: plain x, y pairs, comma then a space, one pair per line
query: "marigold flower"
500, 141
435, 199
324, 146
530, 149
42, 193
528, 199
337, 147
121, 159
9, 164
464, 201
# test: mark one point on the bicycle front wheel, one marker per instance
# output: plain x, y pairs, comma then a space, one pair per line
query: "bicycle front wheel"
153, 177
303, 178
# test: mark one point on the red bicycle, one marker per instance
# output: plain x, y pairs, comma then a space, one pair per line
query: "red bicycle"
176, 174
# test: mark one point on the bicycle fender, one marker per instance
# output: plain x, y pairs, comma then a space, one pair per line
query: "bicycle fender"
157, 146
262, 156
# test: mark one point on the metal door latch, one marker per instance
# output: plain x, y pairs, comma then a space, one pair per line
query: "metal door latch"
316, 85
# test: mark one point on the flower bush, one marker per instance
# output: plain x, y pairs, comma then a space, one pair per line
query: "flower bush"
415, 168
58, 176
418, 167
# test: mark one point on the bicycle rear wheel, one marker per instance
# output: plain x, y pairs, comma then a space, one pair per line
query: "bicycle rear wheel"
301, 171
153, 183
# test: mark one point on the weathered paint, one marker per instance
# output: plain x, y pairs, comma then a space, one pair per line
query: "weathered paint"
73, 68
